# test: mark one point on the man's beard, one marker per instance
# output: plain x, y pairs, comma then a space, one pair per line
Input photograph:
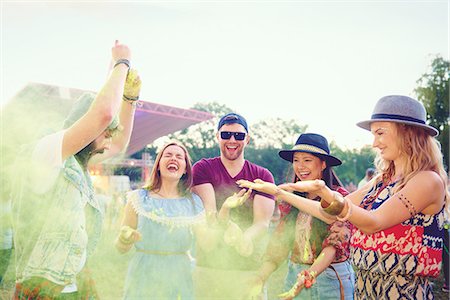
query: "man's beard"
234, 156
84, 155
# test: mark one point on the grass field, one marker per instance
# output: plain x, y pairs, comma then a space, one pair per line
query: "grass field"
109, 270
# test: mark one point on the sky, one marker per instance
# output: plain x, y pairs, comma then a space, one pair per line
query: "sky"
321, 63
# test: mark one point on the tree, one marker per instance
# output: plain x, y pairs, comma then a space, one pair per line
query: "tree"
354, 163
276, 133
267, 138
433, 92
200, 139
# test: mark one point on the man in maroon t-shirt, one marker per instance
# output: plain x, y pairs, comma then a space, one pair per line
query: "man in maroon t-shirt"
241, 232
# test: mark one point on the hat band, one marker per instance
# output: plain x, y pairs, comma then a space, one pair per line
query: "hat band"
309, 148
397, 117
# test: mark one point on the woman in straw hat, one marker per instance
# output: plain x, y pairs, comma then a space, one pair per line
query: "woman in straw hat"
398, 216
319, 252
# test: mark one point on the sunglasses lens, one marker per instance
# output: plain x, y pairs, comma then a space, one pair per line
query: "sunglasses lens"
225, 135
239, 136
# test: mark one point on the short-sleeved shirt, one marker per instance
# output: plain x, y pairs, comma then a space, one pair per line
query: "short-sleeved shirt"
212, 170
47, 162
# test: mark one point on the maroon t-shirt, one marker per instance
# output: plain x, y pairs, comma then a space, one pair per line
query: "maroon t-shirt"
212, 170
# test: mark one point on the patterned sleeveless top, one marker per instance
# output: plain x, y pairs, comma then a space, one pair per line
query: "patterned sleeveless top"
413, 247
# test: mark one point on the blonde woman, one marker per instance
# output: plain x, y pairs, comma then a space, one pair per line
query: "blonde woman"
159, 221
398, 216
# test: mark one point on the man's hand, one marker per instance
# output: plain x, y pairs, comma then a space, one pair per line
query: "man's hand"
238, 199
120, 51
132, 85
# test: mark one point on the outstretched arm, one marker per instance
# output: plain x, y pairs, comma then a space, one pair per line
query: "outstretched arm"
283, 192
423, 193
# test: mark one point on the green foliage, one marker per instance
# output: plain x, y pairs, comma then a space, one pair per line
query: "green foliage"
268, 158
200, 139
433, 92
275, 133
354, 163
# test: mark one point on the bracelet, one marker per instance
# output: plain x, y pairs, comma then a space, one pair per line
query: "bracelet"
133, 101
310, 278
126, 98
122, 61
349, 211
335, 207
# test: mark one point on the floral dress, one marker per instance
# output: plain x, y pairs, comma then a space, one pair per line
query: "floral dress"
395, 263
161, 267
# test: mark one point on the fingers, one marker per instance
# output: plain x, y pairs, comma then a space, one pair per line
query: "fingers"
241, 193
244, 183
258, 181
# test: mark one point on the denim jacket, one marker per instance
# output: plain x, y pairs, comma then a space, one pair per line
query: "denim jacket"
54, 231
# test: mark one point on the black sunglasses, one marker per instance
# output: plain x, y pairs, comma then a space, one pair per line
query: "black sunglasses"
238, 136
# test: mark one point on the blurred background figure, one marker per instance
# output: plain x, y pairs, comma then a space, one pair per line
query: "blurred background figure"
370, 172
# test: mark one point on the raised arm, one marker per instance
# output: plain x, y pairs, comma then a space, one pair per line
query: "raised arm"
102, 111
121, 139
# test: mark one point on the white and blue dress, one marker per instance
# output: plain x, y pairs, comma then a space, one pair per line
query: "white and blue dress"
161, 268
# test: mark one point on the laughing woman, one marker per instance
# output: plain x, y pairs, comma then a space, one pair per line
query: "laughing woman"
318, 252
159, 221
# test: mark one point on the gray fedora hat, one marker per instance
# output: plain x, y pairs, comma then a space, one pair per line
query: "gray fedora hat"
400, 109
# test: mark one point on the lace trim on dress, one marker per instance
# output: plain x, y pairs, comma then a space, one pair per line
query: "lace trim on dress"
158, 217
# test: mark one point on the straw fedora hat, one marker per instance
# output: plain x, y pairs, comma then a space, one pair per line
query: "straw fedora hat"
313, 143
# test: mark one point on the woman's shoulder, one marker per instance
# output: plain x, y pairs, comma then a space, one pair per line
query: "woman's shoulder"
427, 179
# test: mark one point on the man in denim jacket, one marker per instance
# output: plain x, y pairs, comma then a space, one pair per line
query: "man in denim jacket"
57, 219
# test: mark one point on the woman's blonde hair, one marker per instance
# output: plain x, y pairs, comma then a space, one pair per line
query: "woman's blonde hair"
185, 182
423, 153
